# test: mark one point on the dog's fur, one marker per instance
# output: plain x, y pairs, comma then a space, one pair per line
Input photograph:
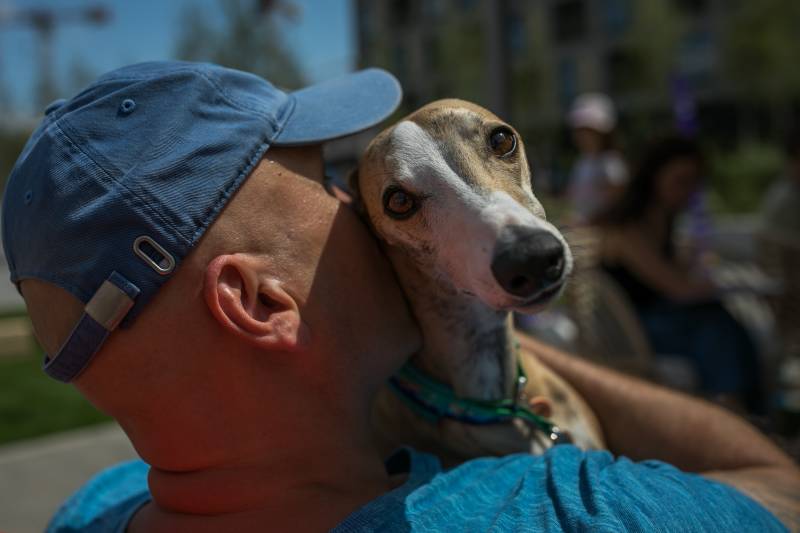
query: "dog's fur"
442, 255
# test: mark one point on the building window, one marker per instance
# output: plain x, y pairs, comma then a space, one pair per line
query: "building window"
569, 20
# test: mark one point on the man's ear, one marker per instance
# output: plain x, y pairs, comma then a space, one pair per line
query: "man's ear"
253, 305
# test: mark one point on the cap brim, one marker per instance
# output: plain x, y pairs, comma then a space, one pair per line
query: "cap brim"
340, 107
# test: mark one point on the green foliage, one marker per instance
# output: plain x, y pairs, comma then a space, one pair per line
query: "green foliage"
739, 179
532, 86
762, 47
32, 404
461, 57
651, 45
245, 40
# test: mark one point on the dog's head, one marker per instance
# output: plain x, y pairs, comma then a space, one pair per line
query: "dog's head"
450, 187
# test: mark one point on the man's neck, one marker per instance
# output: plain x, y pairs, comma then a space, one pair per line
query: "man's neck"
255, 497
323, 469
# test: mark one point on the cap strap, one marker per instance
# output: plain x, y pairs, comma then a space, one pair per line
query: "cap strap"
102, 314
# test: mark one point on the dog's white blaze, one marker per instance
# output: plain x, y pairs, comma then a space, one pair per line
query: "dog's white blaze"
464, 224
420, 162
462, 243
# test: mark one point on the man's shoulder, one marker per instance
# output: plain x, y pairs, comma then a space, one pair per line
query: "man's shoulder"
569, 489
106, 502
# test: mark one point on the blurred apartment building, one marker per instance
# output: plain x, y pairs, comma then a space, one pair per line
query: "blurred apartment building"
527, 59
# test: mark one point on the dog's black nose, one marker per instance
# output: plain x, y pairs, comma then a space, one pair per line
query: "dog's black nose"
527, 260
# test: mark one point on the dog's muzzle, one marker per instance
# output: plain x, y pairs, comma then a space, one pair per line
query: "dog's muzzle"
528, 262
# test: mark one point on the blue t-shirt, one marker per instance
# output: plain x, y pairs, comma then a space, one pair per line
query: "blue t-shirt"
565, 489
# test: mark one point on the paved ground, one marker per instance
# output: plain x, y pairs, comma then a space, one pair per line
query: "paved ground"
37, 475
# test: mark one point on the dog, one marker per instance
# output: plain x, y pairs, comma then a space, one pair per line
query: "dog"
448, 193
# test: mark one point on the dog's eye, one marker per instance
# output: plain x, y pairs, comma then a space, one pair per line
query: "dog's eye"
399, 204
502, 141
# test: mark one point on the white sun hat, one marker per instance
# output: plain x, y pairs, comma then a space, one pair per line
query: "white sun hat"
594, 111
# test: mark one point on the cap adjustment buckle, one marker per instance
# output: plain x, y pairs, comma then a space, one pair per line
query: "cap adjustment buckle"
109, 305
102, 314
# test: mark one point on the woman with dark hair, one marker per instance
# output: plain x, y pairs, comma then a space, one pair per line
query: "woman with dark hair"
681, 313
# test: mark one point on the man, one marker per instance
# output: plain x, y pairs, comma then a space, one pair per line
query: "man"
258, 318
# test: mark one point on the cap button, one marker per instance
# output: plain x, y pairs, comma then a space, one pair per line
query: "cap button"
127, 106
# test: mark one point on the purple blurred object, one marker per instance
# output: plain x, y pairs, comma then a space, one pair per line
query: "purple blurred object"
683, 105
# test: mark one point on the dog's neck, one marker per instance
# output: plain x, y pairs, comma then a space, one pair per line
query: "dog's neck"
468, 345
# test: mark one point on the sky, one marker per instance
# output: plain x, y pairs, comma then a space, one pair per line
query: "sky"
323, 40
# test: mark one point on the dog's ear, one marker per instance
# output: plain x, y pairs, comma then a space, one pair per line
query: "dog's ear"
345, 190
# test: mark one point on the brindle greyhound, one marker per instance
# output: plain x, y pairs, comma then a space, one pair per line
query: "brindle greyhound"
448, 192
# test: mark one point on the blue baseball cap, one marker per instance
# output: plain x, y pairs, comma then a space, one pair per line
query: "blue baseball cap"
118, 184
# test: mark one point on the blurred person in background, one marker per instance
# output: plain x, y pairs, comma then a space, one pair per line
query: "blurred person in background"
600, 173
779, 256
781, 207
680, 312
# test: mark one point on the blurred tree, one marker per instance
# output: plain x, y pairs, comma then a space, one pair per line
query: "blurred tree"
739, 179
45, 21
650, 47
532, 80
461, 57
535, 112
760, 53
248, 38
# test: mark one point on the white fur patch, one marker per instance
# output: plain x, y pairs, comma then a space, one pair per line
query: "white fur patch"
420, 163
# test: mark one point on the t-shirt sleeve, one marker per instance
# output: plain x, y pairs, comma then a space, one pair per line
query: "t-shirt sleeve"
106, 503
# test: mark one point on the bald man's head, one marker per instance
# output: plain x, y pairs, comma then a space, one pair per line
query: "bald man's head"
54, 311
